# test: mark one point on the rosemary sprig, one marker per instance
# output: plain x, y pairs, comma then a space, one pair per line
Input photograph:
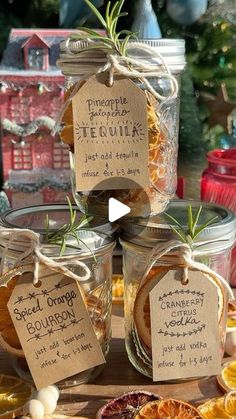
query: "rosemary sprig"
62, 236
112, 41
190, 234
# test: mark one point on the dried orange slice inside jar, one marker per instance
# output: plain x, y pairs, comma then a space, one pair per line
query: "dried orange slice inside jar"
142, 304
95, 250
77, 64
141, 240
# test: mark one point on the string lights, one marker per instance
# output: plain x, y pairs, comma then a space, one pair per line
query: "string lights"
40, 86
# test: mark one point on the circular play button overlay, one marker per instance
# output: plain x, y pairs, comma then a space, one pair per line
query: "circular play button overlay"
117, 210
120, 204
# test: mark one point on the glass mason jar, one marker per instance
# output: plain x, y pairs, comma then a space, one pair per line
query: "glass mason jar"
218, 184
95, 251
138, 241
163, 125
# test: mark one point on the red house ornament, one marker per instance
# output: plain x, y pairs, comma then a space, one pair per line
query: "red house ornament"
36, 53
35, 164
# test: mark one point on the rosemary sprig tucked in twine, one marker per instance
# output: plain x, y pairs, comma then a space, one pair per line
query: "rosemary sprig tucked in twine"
187, 237
193, 230
111, 42
189, 234
65, 233
118, 59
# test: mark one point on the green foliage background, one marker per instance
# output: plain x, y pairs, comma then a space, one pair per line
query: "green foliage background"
27, 14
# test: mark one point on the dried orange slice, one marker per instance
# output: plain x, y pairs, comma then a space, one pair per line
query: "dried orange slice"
219, 408
231, 322
117, 289
67, 118
14, 393
227, 378
142, 304
61, 416
126, 405
8, 336
230, 404
231, 314
67, 134
213, 408
168, 409
153, 120
232, 308
95, 309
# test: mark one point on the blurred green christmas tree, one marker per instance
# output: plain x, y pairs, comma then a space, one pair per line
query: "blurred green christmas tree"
27, 14
211, 56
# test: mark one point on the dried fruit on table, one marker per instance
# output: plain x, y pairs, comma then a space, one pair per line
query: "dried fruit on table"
8, 336
126, 406
219, 408
227, 378
168, 409
230, 404
14, 393
117, 289
153, 120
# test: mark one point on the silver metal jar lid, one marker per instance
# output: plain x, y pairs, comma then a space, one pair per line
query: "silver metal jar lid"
99, 234
217, 236
172, 51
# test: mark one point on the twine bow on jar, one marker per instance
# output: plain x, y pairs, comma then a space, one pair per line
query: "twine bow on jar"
33, 253
183, 255
137, 69
179, 254
122, 65
125, 65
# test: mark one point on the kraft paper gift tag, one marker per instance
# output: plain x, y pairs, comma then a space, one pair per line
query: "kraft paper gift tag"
53, 327
185, 327
110, 134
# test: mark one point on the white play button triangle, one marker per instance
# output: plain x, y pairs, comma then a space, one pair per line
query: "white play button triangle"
117, 210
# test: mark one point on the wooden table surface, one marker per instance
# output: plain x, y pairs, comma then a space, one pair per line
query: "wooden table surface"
118, 377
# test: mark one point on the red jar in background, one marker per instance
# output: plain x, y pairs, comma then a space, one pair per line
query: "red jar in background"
218, 184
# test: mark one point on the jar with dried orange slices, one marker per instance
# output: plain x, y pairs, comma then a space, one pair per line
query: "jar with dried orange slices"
78, 61
142, 241
65, 236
